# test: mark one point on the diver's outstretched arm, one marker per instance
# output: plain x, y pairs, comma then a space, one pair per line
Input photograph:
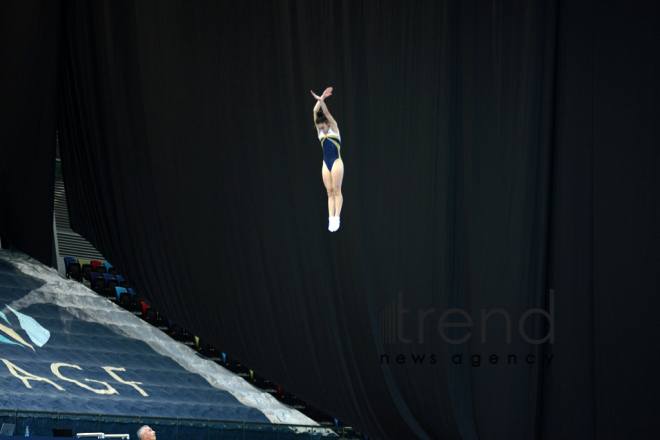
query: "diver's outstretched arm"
320, 99
326, 112
331, 120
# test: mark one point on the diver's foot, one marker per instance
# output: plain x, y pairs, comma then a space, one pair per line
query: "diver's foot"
334, 224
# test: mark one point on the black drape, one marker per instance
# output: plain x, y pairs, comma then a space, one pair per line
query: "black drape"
605, 216
29, 44
498, 156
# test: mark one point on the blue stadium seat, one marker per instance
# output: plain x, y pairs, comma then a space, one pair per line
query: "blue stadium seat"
87, 274
120, 290
110, 284
67, 261
92, 278
73, 269
111, 269
123, 298
99, 285
75, 272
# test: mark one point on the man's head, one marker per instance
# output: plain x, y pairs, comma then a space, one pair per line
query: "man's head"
146, 433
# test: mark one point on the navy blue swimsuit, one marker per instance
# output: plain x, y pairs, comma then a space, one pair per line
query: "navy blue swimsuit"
331, 144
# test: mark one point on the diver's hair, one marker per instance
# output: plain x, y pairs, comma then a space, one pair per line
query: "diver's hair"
321, 118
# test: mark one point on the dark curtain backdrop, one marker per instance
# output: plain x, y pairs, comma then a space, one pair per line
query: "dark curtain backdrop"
606, 209
498, 155
29, 48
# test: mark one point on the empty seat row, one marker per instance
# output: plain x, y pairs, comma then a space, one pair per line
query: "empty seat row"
107, 281
80, 269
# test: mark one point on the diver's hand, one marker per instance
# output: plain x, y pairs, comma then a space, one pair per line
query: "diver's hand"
326, 93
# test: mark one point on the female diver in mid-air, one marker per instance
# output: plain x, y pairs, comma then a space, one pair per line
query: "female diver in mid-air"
333, 167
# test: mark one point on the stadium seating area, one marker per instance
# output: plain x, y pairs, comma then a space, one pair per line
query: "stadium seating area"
107, 281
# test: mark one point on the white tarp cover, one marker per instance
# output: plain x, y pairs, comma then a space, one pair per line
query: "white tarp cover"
64, 348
